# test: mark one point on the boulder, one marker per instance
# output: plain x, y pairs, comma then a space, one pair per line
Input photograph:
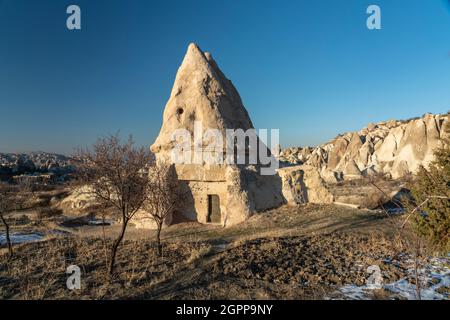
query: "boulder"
302, 184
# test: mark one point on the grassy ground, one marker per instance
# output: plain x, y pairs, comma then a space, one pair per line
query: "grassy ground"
303, 252
285, 221
269, 268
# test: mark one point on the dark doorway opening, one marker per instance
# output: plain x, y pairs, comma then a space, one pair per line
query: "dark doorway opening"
214, 215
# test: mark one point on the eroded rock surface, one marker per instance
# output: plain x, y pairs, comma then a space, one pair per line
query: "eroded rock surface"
393, 148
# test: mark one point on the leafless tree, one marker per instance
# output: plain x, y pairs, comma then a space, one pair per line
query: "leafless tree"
116, 174
12, 198
7, 204
164, 196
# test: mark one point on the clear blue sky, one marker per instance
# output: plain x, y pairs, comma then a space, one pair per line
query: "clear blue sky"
310, 68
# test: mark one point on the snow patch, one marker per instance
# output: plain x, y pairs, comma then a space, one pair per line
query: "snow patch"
434, 276
17, 238
100, 222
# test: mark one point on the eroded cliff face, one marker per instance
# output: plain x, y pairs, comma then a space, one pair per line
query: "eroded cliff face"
394, 148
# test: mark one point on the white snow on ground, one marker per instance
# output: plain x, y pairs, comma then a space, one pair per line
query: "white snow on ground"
17, 238
99, 222
434, 276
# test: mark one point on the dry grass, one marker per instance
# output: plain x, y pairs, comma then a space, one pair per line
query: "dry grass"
38, 271
302, 252
198, 252
271, 268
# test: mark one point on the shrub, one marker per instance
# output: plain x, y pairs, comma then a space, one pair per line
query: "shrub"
431, 191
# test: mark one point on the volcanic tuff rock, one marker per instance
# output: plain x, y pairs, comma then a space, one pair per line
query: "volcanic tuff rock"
20, 163
394, 148
201, 92
302, 184
220, 192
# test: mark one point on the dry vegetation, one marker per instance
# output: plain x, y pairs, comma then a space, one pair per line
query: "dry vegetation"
116, 174
304, 252
38, 270
308, 267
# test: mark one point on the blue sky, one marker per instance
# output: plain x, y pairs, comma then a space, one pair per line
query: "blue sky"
310, 68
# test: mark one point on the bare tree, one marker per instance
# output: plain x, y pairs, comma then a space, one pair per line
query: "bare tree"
164, 196
7, 204
12, 198
116, 174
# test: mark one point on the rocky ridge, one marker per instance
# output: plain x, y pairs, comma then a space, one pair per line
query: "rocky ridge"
12, 164
393, 148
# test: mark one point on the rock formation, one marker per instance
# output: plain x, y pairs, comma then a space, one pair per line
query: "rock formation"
201, 92
303, 184
35, 167
393, 148
35, 162
222, 193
